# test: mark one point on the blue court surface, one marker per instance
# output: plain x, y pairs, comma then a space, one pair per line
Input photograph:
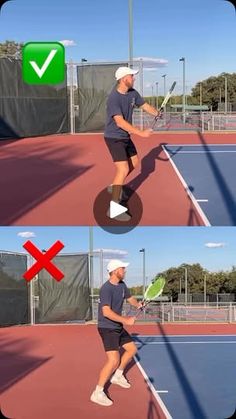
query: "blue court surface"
192, 377
208, 173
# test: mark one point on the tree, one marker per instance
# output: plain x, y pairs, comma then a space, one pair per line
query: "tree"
213, 90
10, 49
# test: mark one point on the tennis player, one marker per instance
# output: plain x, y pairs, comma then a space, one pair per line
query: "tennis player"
111, 324
118, 128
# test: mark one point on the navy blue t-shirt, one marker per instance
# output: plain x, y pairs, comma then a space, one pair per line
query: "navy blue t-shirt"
113, 296
121, 104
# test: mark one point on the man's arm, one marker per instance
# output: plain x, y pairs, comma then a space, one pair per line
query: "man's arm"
126, 126
150, 109
110, 314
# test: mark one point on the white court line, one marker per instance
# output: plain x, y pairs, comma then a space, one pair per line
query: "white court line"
205, 151
153, 390
189, 193
188, 342
162, 391
179, 336
202, 200
201, 145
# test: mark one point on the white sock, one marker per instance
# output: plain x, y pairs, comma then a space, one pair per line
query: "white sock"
99, 388
119, 372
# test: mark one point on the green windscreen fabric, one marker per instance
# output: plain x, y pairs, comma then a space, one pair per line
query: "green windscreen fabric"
30, 110
95, 82
69, 299
14, 299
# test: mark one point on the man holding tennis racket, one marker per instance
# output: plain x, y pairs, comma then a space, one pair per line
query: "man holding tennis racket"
118, 128
111, 329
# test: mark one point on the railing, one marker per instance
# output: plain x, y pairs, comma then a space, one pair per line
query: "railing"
178, 312
197, 121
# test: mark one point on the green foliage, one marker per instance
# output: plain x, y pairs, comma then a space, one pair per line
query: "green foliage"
213, 90
10, 49
216, 282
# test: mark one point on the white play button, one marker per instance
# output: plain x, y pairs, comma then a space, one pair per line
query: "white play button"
116, 209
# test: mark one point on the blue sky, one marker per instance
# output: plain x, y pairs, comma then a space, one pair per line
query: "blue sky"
214, 247
203, 31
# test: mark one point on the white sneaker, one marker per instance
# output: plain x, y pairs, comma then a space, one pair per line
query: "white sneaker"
100, 397
120, 381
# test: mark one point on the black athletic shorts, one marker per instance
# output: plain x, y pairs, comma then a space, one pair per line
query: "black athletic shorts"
113, 339
121, 150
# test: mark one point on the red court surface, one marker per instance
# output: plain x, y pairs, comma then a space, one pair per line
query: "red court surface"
49, 372
54, 180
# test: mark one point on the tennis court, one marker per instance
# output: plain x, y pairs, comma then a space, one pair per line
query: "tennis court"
50, 370
192, 376
208, 172
54, 180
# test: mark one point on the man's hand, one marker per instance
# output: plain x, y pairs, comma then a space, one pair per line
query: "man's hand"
141, 305
146, 133
129, 321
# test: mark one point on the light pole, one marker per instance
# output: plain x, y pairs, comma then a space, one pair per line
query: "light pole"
131, 32
200, 94
144, 270
164, 77
205, 290
157, 94
152, 96
226, 98
101, 267
186, 285
183, 60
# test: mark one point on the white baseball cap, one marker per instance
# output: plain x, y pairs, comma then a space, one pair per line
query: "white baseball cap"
124, 71
115, 264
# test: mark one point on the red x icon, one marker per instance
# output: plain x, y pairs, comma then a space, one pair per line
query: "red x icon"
43, 260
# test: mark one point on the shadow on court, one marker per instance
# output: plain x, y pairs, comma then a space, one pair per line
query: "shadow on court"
148, 166
15, 362
227, 196
191, 399
32, 173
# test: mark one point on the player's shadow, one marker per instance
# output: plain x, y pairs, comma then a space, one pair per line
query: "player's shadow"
225, 192
148, 166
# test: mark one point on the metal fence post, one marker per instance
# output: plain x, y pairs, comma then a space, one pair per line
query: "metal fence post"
72, 107
31, 293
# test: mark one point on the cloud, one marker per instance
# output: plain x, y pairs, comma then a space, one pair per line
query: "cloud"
26, 234
214, 245
112, 254
150, 63
68, 43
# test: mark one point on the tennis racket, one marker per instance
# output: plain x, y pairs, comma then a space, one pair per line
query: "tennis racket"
164, 102
153, 291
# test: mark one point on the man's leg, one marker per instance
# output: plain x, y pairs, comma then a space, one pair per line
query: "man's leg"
130, 351
133, 162
98, 396
118, 377
122, 170
113, 359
